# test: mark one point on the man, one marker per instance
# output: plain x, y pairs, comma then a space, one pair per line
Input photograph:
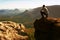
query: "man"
44, 11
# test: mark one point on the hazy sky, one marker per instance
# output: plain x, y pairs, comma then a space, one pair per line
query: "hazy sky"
26, 4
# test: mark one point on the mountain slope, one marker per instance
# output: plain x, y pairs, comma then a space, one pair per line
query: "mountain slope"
28, 16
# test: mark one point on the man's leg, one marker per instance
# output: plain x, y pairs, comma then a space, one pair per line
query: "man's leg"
42, 14
46, 15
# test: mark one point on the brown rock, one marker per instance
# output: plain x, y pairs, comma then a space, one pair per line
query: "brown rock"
47, 29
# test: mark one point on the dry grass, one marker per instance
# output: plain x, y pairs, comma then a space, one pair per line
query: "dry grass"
30, 32
12, 31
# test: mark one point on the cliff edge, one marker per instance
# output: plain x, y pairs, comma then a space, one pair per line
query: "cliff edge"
47, 28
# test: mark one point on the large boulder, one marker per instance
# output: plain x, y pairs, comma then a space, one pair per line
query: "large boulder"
47, 29
12, 31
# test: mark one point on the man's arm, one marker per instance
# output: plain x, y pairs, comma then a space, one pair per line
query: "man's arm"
47, 10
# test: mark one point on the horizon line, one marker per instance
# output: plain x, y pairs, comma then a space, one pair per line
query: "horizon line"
27, 8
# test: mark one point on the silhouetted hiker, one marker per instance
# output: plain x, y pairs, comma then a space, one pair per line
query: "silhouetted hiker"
44, 11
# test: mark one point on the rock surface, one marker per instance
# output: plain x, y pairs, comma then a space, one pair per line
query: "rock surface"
47, 29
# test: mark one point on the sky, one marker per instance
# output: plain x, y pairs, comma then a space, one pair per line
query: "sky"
26, 4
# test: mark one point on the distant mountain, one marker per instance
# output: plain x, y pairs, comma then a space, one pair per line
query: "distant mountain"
9, 12
28, 16
54, 11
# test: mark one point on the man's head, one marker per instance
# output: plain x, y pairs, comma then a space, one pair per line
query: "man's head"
43, 5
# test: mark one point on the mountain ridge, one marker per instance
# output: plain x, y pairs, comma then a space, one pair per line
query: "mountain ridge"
28, 16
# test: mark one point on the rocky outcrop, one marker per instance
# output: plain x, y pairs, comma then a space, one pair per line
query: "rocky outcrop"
47, 29
12, 31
